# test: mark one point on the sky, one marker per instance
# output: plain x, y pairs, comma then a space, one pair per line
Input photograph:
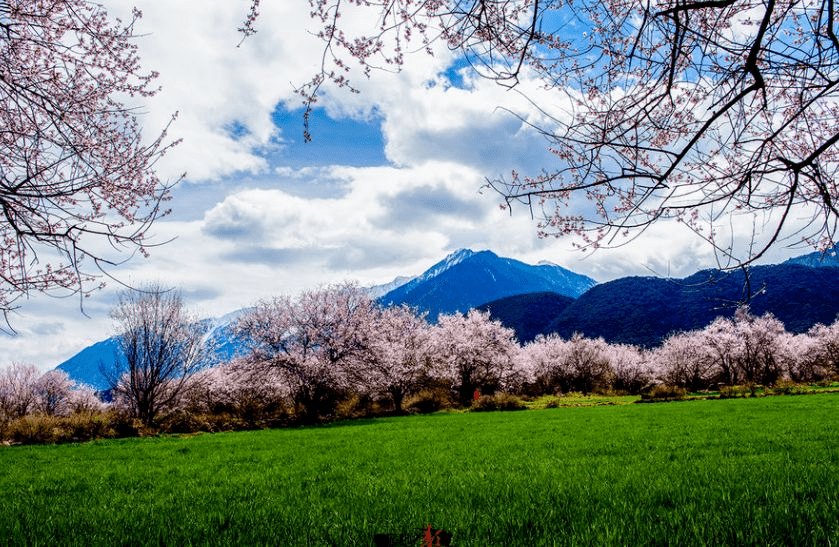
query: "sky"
390, 184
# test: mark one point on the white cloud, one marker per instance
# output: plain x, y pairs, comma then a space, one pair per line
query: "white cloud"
216, 86
370, 216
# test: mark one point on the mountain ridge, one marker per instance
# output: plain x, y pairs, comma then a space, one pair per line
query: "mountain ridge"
645, 310
527, 314
466, 279
819, 259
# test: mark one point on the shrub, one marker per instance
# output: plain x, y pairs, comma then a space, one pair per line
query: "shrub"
427, 401
359, 406
183, 422
664, 392
485, 403
89, 425
553, 403
785, 387
42, 428
507, 401
754, 388
126, 426
216, 422
749, 388
728, 392
611, 392
499, 401
33, 429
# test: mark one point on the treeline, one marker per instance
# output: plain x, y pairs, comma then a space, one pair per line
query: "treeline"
334, 353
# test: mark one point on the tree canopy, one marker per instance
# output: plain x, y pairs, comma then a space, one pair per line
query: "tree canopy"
76, 173
696, 111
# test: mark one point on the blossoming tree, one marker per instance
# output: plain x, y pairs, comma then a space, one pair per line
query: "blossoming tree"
691, 110
76, 173
160, 346
311, 340
397, 356
473, 351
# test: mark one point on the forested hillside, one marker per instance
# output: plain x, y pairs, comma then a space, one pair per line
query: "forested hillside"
644, 310
528, 314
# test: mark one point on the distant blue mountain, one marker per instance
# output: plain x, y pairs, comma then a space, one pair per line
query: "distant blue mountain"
466, 279
528, 314
86, 366
828, 258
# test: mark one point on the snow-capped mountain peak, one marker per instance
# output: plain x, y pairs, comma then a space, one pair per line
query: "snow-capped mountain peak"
447, 263
466, 279
378, 291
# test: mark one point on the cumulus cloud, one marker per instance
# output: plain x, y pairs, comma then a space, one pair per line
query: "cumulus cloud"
236, 219
215, 86
225, 96
384, 211
427, 206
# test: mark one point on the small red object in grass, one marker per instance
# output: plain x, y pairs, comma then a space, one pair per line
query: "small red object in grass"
436, 538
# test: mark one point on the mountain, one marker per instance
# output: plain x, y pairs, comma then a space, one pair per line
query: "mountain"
547, 298
466, 279
528, 314
86, 366
829, 258
644, 310
378, 291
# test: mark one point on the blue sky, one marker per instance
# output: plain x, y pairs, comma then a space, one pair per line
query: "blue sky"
344, 141
391, 183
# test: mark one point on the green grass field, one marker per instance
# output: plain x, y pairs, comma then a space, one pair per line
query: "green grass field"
762, 471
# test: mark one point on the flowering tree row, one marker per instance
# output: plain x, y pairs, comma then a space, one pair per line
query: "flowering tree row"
326, 343
730, 351
311, 353
24, 390
748, 350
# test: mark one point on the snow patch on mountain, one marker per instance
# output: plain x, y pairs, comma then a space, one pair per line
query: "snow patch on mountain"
446, 264
377, 291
